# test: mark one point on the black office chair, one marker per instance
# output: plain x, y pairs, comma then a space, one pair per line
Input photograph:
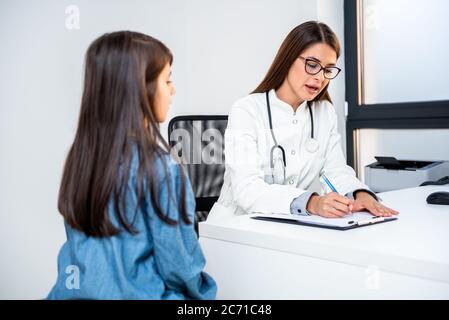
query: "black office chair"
199, 142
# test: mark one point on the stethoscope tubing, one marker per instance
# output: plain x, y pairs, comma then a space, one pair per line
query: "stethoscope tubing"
270, 121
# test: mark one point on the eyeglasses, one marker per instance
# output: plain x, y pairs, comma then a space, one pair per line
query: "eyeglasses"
313, 67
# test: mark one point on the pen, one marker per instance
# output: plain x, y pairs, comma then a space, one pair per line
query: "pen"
329, 183
332, 187
370, 221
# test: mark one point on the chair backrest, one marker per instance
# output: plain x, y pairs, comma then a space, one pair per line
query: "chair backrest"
199, 142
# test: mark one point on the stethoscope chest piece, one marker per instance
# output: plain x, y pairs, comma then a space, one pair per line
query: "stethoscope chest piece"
312, 145
278, 152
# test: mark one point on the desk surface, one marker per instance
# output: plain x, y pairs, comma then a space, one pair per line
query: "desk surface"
417, 244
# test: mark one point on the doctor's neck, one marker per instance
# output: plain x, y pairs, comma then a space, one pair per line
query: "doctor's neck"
286, 94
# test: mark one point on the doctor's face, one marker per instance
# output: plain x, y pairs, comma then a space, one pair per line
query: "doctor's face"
304, 85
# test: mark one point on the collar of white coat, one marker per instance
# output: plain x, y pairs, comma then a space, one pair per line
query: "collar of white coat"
275, 102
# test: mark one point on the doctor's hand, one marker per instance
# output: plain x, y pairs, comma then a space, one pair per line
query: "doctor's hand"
365, 201
331, 205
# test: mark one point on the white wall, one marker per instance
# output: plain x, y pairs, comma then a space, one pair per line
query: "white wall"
222, 49
229, 46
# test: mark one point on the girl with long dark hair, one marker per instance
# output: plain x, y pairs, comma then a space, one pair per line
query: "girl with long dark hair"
127, 205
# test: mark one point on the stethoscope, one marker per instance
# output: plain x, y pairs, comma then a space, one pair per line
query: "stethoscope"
312, 144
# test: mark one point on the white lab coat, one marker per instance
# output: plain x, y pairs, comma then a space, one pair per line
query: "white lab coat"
248, 182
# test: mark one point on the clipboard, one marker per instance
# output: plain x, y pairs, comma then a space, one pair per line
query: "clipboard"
352, 221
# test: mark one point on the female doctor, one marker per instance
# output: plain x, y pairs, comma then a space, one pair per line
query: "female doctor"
284, 134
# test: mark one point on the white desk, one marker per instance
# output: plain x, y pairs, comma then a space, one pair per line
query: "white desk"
403, 259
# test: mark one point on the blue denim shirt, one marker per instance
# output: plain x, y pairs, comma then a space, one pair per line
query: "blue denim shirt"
160, 262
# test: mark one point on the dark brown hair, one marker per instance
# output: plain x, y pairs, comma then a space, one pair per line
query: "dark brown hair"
116, 117
298, 40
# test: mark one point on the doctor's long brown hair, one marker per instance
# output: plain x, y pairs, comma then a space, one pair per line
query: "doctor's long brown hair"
116, 116
298, 40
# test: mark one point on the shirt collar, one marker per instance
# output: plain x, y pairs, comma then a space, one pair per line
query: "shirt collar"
275, 102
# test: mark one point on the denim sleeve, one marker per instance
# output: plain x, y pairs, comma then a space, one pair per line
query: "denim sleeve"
299, 204
177, 252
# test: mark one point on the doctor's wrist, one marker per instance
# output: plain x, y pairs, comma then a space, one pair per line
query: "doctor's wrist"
312, 204
364, 194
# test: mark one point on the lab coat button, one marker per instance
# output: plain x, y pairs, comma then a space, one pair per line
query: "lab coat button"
291, 182
293, 152
295, 121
